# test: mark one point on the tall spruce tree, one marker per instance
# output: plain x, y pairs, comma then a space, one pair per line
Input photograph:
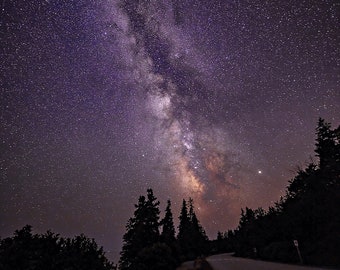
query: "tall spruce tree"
191, 236
184, 223
195, 224
197, 232
328, 150
183, 235
168, 230
142, 231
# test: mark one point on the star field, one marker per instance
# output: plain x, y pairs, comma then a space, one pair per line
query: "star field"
100, 100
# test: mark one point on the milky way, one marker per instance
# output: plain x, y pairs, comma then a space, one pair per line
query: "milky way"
214, 100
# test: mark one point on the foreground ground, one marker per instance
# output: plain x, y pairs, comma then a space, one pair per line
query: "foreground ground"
228, 262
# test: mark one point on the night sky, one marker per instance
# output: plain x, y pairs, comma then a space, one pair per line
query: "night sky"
100, 100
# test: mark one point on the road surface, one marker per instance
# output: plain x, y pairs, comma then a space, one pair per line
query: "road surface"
227, 262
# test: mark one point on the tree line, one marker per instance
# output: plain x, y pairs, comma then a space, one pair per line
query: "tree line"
27, 251
308, 213
151, 243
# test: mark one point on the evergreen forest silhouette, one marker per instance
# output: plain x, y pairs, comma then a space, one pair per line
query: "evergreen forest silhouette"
307, 217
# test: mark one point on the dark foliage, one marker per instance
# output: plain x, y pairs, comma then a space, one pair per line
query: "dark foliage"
308, 213
142, 248
155, 257
145, 248
168, 231
223, 243
49, 251
191, 236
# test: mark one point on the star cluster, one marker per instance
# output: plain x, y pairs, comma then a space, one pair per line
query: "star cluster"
100, 100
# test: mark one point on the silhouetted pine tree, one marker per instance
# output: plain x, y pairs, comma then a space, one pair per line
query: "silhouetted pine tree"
141, 231
328, 151
198, 234
183, 235
168, 228
191, 236
184, 222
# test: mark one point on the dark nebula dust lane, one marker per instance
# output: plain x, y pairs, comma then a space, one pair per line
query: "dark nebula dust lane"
101, 100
